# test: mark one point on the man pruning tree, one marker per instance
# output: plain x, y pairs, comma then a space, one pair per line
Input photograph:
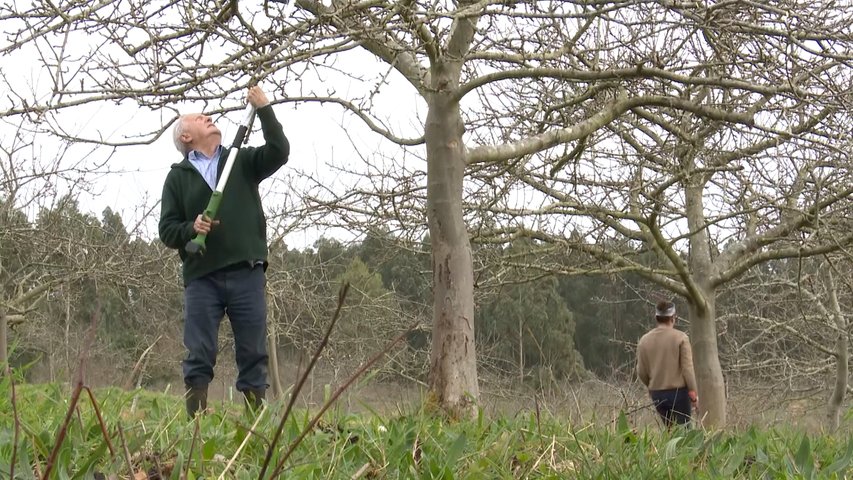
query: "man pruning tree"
228, 275
665, 366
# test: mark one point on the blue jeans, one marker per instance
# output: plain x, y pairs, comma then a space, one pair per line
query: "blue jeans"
672, 405
239, 293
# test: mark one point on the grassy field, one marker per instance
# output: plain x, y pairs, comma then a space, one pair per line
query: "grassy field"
146, 435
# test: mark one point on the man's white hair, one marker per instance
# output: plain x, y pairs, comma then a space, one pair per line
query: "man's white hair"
176, 136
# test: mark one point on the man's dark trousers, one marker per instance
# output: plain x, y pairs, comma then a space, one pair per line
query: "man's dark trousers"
237, 291
672, 405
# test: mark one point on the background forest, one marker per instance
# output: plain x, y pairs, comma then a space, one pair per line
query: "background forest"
537, 333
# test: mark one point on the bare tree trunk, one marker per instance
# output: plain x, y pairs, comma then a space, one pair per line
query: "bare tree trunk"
274, 374
702, 305
836, 400
67, 329
453, 362
706, 360
520, 353
4, 340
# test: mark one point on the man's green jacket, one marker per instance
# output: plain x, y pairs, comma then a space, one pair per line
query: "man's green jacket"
241, 234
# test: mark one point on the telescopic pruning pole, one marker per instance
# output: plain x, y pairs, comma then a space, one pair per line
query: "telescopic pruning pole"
196, 246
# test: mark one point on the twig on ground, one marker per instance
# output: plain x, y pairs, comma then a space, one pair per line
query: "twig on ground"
360, 472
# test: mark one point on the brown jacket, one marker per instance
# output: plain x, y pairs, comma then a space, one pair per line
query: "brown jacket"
665, 360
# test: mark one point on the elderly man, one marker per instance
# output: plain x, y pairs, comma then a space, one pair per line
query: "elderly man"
230, 277
665, 366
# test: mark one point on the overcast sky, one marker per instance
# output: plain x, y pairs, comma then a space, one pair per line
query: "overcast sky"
320, 136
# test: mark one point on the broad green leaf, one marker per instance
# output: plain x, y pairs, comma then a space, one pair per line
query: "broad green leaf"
669, 450
734, 461
843, 463
624, 428
456, 449
178, 468
803, 459
761, 457
240, 433
86, 465
209, 449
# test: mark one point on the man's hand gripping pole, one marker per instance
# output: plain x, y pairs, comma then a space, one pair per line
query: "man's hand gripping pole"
196, 246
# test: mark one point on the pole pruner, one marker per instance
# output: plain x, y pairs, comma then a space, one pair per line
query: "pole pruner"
197, 246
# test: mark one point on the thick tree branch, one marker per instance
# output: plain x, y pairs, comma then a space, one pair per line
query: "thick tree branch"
381, 45
538, 143
621, 74
740, 256
745, 263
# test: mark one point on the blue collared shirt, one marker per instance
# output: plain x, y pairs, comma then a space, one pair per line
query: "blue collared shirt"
206, 166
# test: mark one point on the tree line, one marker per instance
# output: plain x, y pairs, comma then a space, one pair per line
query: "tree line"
779, 325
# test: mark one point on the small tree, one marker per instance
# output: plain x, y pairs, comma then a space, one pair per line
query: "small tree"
787, 323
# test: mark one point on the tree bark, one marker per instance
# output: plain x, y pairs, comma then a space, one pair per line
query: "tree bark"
702, 307
453, 365
520, 352
706, 360
274, 373
4, 341
842, 356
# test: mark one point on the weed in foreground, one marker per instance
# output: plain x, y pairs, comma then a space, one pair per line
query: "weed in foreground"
161, 443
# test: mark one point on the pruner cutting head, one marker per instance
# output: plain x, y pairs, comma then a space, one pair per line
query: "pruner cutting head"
255, 79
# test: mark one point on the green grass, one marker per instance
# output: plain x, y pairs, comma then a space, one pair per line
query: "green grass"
157, 437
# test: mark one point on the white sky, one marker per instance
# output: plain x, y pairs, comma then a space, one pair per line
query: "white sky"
320, 136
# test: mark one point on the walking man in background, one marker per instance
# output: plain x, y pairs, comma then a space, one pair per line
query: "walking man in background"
230, 277
665, 366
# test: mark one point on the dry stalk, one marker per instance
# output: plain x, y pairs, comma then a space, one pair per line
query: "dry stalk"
128, 384
16, 420
243, 444
100, 420
360, 472
545, 451
126, 451
186, 471
63, 430
301, 380
355, 376
75, 394
538, 417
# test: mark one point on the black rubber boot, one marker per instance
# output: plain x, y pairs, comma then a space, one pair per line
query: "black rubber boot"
196, 400
254, 399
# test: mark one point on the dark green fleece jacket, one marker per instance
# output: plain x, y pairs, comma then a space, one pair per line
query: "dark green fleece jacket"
241, 235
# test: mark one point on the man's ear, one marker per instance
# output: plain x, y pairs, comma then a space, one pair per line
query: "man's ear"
186, 138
